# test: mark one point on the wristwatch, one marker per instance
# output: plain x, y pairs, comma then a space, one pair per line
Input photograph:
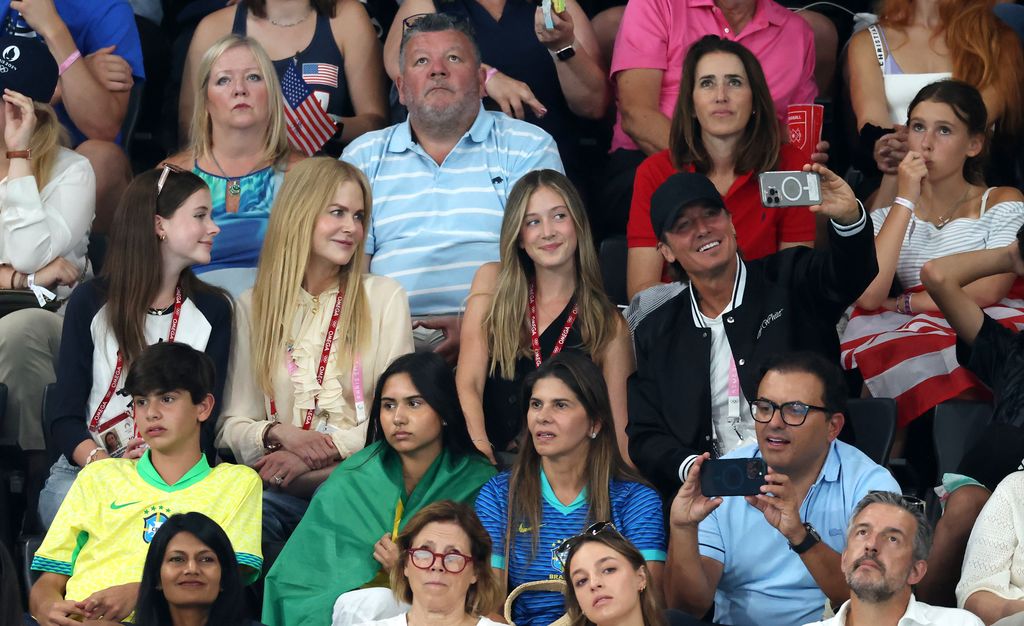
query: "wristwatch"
566, 53
812, 539
27, 154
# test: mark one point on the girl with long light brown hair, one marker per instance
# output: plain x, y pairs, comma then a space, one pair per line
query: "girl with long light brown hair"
544, 295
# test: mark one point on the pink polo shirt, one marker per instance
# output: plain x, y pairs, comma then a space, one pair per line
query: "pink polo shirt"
656, 34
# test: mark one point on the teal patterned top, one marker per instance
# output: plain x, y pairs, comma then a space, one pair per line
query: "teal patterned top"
241, 232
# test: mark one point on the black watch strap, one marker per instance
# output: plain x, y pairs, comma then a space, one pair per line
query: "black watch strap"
812, 539
566, 53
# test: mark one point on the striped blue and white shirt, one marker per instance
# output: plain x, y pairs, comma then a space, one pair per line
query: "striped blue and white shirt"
433, 225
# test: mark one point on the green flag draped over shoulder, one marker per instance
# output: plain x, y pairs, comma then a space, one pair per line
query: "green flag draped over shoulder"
331, 550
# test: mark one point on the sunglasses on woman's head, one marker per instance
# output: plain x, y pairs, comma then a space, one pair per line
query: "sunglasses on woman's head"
563, 549
164, 173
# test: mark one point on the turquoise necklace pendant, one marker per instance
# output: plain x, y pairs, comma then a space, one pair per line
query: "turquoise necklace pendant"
235, 188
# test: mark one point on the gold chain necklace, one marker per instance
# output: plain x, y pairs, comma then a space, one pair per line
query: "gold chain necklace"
290, 24
948, 215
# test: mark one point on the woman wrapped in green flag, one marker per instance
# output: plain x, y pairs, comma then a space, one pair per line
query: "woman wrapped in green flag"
417, 451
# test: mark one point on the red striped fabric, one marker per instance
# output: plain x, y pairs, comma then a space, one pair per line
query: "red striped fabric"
913, 359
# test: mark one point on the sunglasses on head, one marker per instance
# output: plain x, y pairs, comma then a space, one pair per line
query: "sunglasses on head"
413, 20
164, 173
563, 549
912, 503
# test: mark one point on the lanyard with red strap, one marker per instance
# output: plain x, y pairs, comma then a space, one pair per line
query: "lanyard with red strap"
94, 422
534, 334
357, 374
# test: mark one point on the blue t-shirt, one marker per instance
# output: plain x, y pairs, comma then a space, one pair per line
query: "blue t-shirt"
636, 513
93, 24
763, 581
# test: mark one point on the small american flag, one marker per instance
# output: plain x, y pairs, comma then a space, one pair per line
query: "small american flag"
309, 127
320, 74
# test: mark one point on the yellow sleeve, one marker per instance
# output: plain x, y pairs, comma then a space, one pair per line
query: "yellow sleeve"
244, 525
69, 533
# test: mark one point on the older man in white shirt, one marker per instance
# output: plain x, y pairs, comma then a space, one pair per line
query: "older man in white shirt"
886, 550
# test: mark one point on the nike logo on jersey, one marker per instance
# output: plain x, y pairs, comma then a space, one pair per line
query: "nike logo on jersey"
115, 506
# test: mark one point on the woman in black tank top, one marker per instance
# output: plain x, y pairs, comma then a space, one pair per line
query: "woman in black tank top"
543, 297
333, 46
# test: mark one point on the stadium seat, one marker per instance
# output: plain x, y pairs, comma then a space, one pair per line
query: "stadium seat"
958, 425
612, 257
874, 426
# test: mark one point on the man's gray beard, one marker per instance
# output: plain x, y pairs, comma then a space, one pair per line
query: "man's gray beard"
444, 122
871, 592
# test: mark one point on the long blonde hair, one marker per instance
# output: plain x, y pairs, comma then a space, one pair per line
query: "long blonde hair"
506, 324
275, 137
287, 246
48, 137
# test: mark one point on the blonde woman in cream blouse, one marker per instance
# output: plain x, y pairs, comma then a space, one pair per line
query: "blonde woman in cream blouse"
283, 415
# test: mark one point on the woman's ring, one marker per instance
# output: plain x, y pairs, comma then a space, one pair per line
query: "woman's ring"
278, 479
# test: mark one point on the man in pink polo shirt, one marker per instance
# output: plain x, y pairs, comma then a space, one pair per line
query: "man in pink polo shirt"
653, 39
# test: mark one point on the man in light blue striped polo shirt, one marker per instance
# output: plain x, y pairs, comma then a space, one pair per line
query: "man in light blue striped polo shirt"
441, 178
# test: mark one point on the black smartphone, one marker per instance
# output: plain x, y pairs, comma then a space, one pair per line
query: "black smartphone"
732, 477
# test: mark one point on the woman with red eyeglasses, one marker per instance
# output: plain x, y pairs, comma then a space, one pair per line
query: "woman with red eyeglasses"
444, 569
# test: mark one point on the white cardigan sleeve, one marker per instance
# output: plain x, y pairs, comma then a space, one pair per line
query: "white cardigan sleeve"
36, 226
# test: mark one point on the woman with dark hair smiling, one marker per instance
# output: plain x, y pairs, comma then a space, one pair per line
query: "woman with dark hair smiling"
725, 127
191, 576
417, 451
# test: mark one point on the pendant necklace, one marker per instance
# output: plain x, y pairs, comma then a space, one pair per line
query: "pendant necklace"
948, 216
234, 187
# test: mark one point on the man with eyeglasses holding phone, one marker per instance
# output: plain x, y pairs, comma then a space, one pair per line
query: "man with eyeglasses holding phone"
886, 554
774, 557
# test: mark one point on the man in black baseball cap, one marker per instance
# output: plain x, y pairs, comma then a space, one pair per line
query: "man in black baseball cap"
678, 192
700, 343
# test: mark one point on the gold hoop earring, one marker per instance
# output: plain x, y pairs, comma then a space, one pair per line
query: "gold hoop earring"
163, 237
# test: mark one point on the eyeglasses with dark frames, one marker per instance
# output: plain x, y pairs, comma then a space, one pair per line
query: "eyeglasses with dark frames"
165, 172
453, 562
562, 550
794, 413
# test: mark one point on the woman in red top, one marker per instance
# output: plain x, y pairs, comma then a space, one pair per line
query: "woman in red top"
724, 126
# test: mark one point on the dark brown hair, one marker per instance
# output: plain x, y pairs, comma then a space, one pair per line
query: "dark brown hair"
132, 270
322, 7
484, 595
604, 463
758, 150
969, 108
